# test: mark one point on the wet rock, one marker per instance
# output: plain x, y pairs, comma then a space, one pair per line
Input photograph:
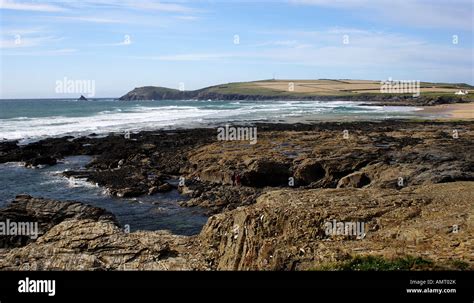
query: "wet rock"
166, 187
126, 192
46, 160
81, 237
46, 214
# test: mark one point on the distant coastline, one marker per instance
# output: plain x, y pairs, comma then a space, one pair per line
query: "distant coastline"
306, 90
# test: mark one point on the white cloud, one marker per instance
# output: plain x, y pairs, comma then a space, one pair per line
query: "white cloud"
12, 31
21, 41
29, 6
187, 18
285, 43
149, 5
453, 14
144, 5
126, 41
54, 52
159, 6
90, 19
190, 57
381, 53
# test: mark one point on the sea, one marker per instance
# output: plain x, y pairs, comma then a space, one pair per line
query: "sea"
35, 119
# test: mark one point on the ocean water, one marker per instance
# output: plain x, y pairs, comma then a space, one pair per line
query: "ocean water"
160, 211
32, 120
29, 120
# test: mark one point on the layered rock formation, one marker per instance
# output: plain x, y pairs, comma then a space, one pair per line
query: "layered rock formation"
80, 237
284, 230
47, 214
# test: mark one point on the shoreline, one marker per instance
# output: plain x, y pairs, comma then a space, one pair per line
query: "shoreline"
362, 111
369, 112
450, 112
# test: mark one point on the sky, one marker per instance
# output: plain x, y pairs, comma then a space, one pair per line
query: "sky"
120, 45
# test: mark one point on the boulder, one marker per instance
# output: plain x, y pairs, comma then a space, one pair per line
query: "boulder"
355, 180
41, 160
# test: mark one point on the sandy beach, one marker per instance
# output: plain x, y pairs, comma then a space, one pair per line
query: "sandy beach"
458, 111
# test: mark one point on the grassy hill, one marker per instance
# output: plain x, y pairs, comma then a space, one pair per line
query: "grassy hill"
323, 89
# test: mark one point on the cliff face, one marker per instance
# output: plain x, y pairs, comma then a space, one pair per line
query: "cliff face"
155, 93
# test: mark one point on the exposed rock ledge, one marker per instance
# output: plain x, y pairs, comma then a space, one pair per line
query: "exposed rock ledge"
284, 230
83, 237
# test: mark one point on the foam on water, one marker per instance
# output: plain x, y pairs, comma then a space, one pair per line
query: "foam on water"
140, 213
36, 119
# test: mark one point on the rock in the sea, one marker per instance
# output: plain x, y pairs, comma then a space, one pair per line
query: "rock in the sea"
163, 188
42, 160
82, 98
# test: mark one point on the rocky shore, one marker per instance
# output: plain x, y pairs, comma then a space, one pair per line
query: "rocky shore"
410, 183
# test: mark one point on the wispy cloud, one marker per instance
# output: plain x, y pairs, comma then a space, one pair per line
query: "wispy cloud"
30, 6
145, 5
190, 57
113, 6
148, 5
376, 51
187, 18
89, 19
126, 42
285, 43
454, 14
160, 6
54, 52
20, 41
12, 31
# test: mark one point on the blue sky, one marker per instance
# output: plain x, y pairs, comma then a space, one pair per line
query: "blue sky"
125, 44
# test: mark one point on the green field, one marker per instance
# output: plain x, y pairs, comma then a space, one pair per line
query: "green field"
305, 89
326, 88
